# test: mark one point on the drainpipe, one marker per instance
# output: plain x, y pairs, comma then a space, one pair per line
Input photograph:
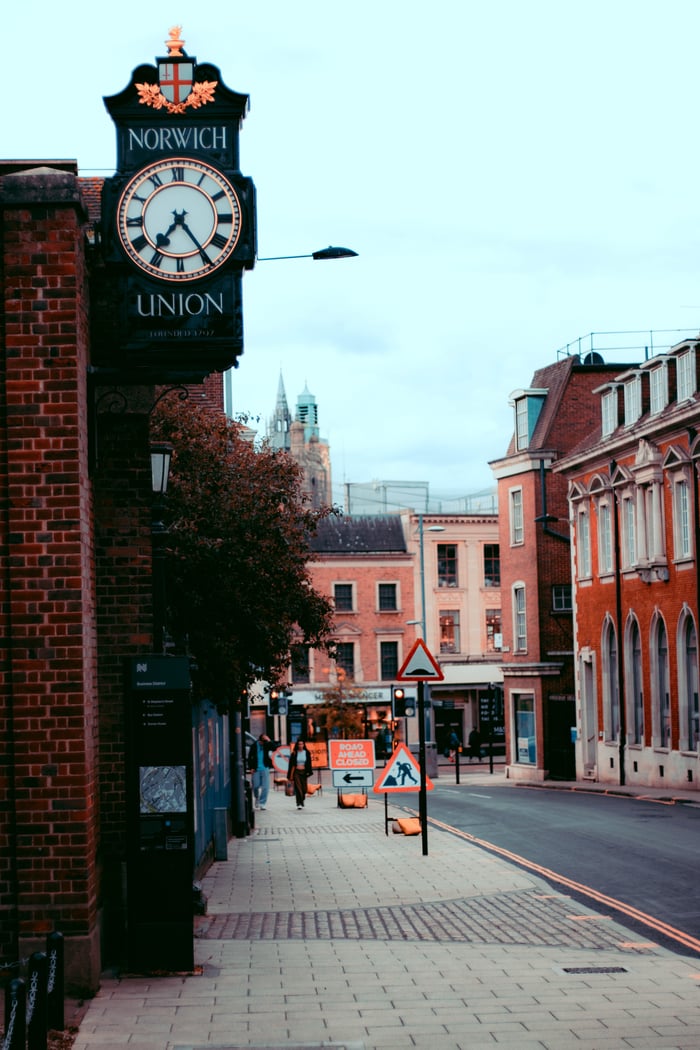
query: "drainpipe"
692, 434
622, 701
544, 517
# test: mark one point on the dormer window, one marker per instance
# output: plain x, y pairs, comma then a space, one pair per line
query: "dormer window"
528, 405
633, 399
658, 388
685, 374
609, 411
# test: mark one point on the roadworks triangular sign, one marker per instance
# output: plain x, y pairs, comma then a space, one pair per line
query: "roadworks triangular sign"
401, 773
420, 665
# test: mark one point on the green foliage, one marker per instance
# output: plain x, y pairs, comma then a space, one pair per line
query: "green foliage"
342, 710
239, 590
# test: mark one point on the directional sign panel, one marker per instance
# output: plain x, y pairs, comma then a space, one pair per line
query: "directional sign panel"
353, 778
401, 773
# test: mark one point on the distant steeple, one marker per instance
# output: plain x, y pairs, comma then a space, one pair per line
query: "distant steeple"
278, 426
307, 413
300, 437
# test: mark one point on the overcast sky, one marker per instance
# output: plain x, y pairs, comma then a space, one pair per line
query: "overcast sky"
513, 176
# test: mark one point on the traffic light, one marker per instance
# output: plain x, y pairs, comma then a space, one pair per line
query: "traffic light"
402, 706
279, 701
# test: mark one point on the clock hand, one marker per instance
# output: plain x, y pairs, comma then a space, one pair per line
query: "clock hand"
163, 239
188, 231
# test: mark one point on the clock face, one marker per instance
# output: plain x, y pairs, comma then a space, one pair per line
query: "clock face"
179, 219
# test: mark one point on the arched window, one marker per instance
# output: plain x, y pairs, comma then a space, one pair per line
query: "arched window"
688, 682
660, 684
633, 677
611, 694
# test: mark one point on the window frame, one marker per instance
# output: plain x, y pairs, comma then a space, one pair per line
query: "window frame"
452, 615
628, 512
689, 712
516, 520
583, 542
492, 564
632, 396
522, 424
519, 597
605, 537
388, 664
682, 517
611, 682
381, 608
446, 577
562, 598
344, 665
352, 590
686, 381
658, 388
609, 412
493, 618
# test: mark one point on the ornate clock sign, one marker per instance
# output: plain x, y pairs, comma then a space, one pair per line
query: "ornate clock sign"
178, 225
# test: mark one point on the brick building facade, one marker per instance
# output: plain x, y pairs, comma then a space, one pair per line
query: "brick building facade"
633, 493
551, 417
362, 564
76, 587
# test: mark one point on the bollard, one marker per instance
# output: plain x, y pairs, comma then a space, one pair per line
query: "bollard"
37, 1028
15, 1016
55, 985
220, 833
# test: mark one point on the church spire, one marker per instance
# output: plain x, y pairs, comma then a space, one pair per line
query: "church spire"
278, 426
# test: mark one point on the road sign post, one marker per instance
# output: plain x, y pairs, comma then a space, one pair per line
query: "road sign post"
422, 794
421, 666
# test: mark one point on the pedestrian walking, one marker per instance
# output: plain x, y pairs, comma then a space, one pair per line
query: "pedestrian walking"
259, 764
299, 771
453, 745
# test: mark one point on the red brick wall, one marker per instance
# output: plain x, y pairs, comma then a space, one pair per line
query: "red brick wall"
371, 626
642, 599
48, 694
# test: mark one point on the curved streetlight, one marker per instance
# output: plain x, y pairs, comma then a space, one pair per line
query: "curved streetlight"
323, 253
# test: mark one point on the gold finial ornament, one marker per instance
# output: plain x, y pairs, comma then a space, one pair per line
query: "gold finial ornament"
174, 44
176, 90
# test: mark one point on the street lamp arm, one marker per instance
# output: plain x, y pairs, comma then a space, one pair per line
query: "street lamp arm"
323, 253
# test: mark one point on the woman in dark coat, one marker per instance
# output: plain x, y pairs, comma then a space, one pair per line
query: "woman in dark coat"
299, 771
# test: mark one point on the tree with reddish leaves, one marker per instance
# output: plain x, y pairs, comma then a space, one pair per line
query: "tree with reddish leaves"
239, 592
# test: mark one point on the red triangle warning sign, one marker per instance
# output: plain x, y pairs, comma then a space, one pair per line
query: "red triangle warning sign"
420, 665
401, 773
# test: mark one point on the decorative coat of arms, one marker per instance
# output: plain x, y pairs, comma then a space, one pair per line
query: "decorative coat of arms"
176, 89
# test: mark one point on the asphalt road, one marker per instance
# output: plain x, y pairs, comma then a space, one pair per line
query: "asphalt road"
643, 854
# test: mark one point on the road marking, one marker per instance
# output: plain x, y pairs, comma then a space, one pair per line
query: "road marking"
587, 891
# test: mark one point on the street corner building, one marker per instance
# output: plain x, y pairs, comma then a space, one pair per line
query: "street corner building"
115, 291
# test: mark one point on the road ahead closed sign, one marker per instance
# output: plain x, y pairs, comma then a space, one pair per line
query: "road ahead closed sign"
351, 754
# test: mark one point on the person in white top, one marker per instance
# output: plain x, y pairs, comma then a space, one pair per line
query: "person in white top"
300, 769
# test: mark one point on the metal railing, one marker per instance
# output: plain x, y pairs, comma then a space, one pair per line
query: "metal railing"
34, 1005
641, 342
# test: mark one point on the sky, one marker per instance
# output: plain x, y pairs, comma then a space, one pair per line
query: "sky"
513, 177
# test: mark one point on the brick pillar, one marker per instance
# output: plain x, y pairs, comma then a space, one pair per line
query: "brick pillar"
122, 485
48, 694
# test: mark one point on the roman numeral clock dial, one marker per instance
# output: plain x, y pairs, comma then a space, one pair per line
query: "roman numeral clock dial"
179, 219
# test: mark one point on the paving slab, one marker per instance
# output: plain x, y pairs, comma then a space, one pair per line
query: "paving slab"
323, 931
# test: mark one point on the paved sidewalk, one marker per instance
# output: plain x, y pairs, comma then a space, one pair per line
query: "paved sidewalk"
323, 931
